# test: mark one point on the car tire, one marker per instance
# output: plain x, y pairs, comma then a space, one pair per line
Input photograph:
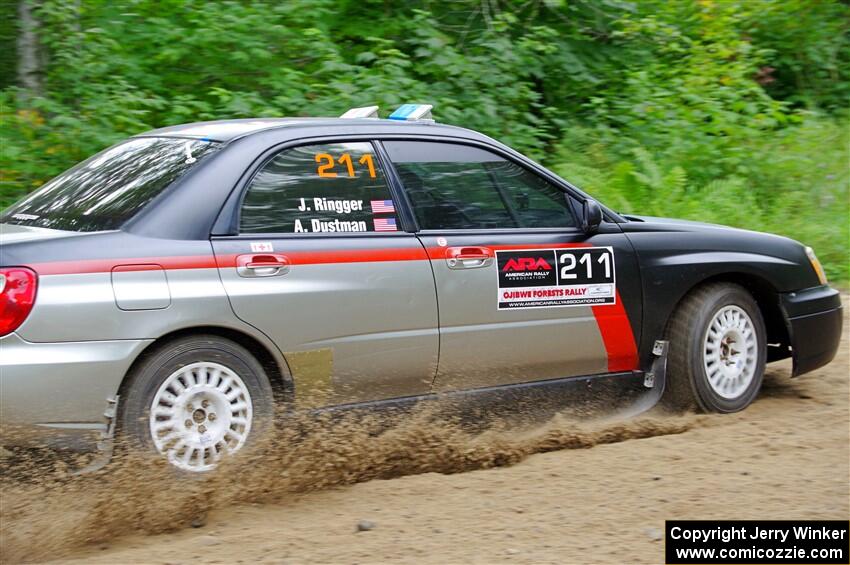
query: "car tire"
194, 400
718, 350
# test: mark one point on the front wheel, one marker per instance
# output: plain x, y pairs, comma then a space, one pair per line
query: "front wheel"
196, 400
718, 349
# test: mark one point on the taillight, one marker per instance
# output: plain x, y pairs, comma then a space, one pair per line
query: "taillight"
17, 295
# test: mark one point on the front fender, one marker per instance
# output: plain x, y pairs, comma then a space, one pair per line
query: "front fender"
675, 258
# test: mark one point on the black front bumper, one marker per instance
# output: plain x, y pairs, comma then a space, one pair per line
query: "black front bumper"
814, 319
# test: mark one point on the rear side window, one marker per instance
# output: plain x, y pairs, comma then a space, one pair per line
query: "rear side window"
337, 187
108, 189
461, 187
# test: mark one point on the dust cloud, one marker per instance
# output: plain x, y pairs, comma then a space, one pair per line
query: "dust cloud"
47, 511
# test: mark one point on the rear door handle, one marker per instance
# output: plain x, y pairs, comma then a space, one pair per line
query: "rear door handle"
262, 265
469, 257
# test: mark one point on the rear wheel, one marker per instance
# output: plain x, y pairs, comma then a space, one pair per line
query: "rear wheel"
196, 400
717, 350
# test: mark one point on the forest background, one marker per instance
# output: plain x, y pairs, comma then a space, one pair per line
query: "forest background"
726, 111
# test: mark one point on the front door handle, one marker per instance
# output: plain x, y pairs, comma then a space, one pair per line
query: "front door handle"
469, 257
262, 265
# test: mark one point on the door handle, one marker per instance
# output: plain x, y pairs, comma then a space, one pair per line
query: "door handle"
262, 265
469, 257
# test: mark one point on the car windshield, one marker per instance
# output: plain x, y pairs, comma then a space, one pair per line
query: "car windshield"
108, 189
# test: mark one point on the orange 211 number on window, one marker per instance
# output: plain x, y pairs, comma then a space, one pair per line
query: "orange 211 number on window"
326, 165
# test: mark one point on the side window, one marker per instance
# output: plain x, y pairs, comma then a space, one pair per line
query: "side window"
337, 187
462, 187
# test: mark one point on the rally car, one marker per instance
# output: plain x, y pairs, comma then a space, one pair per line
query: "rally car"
179, 287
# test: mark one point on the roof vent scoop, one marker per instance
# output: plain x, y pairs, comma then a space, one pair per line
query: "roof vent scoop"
413, 112
364, 112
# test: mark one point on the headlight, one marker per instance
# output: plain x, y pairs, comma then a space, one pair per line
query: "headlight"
813, 259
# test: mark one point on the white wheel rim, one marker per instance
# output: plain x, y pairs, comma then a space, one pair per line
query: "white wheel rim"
200, 412
730, 352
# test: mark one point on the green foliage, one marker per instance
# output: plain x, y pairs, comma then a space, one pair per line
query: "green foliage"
8, 48
731, 111
809, 54
796, 184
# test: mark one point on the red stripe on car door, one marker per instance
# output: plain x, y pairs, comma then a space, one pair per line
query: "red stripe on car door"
612, 320
128, 264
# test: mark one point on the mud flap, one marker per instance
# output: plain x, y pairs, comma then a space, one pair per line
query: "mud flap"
106, 445
654, 381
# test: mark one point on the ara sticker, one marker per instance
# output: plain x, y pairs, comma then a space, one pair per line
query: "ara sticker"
262, 247
545, 278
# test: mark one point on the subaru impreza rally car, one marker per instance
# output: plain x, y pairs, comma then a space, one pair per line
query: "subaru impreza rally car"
179, 287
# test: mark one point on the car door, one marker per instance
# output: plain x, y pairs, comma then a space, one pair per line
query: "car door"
321, 266
523, 293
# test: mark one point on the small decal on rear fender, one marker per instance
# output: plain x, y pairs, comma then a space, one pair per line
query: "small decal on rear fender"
547, 278
262, 247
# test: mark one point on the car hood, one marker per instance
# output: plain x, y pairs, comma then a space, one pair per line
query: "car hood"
675, 224
704, 242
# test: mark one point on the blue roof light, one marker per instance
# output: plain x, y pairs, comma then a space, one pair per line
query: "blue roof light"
409, 112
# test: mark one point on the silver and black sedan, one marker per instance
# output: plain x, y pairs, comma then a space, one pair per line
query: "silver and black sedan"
179, 287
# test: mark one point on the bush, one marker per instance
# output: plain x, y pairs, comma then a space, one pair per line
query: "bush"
795, 183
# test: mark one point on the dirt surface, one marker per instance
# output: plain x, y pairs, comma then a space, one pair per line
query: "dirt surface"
601, 497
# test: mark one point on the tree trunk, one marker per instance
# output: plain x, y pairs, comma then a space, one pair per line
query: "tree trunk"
30, 71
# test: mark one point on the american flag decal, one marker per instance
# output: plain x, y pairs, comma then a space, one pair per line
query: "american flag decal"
385, 224
382, 206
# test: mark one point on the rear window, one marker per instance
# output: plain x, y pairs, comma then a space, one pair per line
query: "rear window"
108, 189
334, 187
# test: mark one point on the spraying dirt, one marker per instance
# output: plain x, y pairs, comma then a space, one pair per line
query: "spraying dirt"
432, 490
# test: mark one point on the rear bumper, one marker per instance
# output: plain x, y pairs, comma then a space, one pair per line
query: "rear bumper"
814, 319
55, 394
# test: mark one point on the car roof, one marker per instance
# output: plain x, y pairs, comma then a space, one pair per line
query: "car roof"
229, 130
169, 215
